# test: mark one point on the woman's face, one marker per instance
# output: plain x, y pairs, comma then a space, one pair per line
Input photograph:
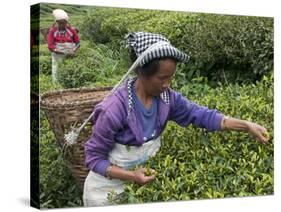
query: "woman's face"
61, 24
161, 80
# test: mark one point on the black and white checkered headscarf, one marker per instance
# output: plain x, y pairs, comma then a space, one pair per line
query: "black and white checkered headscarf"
140, 41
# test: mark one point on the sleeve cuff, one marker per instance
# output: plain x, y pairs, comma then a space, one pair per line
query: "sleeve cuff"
101, 167
218, 121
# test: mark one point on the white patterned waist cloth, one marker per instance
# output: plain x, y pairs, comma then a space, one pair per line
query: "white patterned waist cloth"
97, 187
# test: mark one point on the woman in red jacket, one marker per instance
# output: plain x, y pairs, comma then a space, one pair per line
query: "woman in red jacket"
63, 40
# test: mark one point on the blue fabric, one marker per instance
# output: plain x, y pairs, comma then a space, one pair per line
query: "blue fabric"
147, 117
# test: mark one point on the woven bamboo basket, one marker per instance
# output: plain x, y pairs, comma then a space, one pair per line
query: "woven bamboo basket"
66, 108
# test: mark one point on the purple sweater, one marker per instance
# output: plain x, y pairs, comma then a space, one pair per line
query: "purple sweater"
115, 120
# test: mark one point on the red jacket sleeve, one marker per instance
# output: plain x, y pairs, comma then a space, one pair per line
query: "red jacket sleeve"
76, 38
50, 40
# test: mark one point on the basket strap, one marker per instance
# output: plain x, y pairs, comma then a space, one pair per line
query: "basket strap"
75, 132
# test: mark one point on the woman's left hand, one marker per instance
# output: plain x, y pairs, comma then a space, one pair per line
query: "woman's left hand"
259, 132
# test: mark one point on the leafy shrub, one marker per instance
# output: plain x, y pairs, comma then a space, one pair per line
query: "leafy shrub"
91, 65
45, 65
110, 25
46, 83
222, 47
229, 48
191, 164
47, 8
58, 188
41, 57
194, 164
57, 185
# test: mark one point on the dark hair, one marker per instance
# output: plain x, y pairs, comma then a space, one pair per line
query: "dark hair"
148, 69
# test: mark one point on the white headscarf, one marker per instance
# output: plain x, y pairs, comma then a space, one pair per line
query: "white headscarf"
60, 14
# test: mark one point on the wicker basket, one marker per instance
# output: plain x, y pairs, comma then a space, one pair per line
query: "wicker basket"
69, 107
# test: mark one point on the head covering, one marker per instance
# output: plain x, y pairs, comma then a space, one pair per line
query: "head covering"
60, 14
140, 41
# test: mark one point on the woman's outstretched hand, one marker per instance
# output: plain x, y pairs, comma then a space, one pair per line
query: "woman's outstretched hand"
259, 132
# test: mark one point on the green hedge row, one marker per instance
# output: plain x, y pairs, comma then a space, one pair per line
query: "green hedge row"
93, 65
195, 164
222, 47
58, 187
191, 164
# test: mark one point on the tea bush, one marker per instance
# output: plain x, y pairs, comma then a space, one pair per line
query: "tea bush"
195, 164
45, 62
229, 48
75, 12
191, 164
57, 185
222, 47
114, 23
109, 26
92, 65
